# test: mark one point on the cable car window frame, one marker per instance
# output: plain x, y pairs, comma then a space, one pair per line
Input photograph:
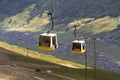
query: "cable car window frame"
45, 41
76, 48
54, 40
83, 46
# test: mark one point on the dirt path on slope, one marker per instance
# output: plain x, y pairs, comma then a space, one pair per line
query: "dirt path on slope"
16, 70
20, 70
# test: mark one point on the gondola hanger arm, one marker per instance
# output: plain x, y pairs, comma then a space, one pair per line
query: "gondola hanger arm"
75, 26
50, 14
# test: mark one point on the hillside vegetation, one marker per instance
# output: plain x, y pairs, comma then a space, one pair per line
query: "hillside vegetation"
95, 18
68, 71
96, 26
73, 8
32, 13
41, 56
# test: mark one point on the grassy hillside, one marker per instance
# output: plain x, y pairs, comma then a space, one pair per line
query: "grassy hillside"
94, 8
30, 14
96, 26
26, 20
95, 18
72, 70
41, 56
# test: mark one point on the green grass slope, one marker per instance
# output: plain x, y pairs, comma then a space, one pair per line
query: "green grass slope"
26, 20
96, 26
30, 13
41, 56
75, 73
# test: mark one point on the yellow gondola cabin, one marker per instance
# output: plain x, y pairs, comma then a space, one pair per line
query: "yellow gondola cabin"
48, 41
78, 47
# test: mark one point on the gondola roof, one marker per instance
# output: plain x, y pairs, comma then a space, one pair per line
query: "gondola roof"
78, 41
48, 34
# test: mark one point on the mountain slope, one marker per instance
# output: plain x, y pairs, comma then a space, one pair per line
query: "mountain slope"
65, 11
73, 8
26, 65
96, 18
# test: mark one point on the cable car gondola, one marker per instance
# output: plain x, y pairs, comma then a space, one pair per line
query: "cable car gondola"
78, 46
48, 41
